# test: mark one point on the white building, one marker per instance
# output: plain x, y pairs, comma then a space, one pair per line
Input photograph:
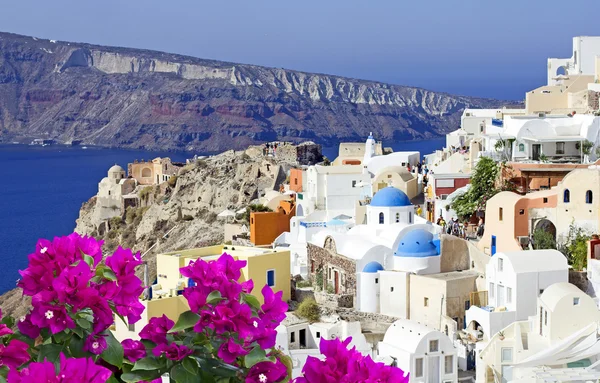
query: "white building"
331, 188
585, 51
428, 355
111, 189
515, 280
300, 339
559, 343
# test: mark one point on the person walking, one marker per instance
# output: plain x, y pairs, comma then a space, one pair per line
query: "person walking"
419, 211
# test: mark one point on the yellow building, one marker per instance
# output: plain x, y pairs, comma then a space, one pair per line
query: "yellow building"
263, 266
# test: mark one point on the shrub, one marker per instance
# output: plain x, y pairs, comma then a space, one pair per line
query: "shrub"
172, 181
301, 284
574, 247
145, 192
309, 310
326, 161
330, 289
130, 215
188, 217
115, 222
201, 164
543, 240
211, 217
245, 157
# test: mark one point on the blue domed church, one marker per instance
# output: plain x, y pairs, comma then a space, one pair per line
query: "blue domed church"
388, 206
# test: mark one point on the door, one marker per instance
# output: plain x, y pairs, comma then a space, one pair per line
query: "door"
535, 151
433, 375
506, 374
500, 296
493, 244
303, 338
336, 285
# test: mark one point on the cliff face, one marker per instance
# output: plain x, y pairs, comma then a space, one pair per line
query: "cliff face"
144, 99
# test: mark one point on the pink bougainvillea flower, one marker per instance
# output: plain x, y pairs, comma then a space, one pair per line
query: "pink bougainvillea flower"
274, 308
134, 350
173, 351
123, 262
71, 285
95, 344
53, 317
34, 373
4, 329
230, 351
14, 354
228, 266
156, 330
27, 328
266, 372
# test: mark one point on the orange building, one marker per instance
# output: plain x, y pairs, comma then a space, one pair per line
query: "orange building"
296, 180
266, 226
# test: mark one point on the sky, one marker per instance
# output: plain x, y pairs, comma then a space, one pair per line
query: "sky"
484, 48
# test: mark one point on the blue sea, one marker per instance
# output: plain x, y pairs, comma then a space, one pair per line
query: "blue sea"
43, 188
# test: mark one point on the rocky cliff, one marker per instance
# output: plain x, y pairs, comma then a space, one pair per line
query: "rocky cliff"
143, 99
185, 209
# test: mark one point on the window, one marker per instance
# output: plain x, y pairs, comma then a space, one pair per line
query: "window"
312, 266
409, 217
131, 327
500, 214
376, 280
521, 147
500, 264
588, 196
353, 183
491, 292
434, 345
567, 196
392, 289
560, 148
521, 211
397, 217
541, 291
271, 278
426, 302
292, 337
381, 218
109, 192
545, 199
419, 367
296, 181
509, 294
507, 355
330, 273
318, 334
575, 301
251, 220
448, 364
389, 176
467, 305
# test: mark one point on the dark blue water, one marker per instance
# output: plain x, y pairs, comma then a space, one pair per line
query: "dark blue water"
41, 191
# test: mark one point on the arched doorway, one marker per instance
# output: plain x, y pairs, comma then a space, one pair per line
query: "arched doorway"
561, 71
547, 226
146, 172
299, 211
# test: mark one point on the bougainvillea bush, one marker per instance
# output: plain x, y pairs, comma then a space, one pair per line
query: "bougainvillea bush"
227, 336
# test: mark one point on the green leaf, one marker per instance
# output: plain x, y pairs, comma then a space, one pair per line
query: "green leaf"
114, 352
9, 321
50, 352
148, 363
190, 365
112, 379
109, 274
61, 337
134, 377
84, 324
217, 367
180, 375
214, 297
255, 356
252, 301
89, 260
186, 320
76, 348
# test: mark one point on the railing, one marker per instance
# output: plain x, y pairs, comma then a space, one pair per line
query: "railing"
313, 224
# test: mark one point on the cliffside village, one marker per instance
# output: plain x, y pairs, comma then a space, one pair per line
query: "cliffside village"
373, 238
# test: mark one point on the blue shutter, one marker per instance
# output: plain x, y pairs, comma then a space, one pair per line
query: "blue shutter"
271, 278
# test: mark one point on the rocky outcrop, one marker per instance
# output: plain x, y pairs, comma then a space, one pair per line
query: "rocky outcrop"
142, 99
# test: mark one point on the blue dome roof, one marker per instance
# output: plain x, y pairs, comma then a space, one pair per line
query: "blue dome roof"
372, 267
390, 197
417, 244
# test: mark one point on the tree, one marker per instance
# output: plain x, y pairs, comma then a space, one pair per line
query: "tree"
326, 161
543, 240
574, 247
256, 207
483, 187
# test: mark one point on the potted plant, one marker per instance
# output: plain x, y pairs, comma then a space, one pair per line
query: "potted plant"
501, 335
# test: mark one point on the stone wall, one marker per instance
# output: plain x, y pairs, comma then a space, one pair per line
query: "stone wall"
319, 259
579, 279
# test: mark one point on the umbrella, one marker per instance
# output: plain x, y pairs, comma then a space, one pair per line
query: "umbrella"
335, 222
241, 211
226, 213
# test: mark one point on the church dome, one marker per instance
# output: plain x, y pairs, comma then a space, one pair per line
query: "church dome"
417, 244
390, 197
372, 267
115, 169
